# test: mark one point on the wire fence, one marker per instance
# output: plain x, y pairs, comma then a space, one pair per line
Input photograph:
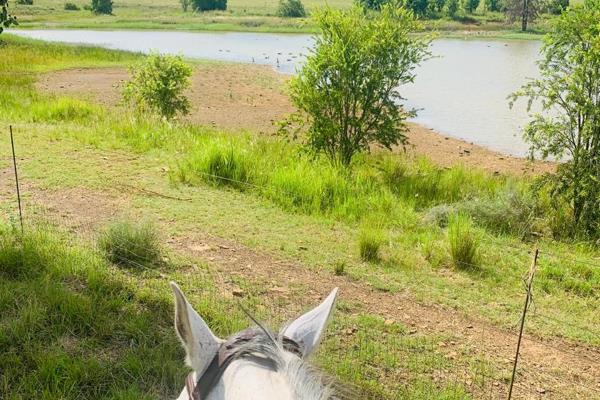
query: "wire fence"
472, 360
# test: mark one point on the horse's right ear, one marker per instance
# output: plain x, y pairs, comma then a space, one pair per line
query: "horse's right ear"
199, 342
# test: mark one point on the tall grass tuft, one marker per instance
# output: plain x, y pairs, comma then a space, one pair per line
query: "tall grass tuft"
131, 245
369, 244
464, 243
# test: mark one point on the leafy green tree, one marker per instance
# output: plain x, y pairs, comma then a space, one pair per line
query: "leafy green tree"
471, 5
6, 19
419, 7
347, 92
452, 7
568, 126
157, 85
492, 5
291, 9
102, 6
209, 5
185, 4
525, 10
372, 4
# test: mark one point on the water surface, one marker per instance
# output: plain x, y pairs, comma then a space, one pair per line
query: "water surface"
460, 92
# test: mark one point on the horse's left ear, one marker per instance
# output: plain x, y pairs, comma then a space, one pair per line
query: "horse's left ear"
308, 328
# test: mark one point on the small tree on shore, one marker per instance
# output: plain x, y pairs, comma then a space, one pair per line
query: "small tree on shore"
569, 86
185, 4
471, 5
158, 85
209, 5
6, 19
526, 11
347, 92
102, 6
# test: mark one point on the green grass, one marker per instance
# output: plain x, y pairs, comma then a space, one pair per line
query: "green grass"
242, 15
463, 242
293, 206
132, 245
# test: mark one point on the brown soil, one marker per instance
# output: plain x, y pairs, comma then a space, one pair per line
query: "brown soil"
250, 97
553, 369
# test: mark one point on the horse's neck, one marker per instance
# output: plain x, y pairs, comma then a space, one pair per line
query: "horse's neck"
245, 380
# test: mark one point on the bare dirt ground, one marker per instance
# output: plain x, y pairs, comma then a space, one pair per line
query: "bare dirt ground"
553, 369
251, 97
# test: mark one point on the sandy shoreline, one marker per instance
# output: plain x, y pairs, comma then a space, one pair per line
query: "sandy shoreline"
251, 97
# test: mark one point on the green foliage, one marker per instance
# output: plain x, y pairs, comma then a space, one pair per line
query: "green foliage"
493, 5
463, 241
339, 268
102, 6
209, 5
291, 9
157, 85
63, 109
372, 4
557, 6
131, 245
77, 327
569, 86
452, 7
369, 244
524, 11
418, 7
71, 7
6, 19
347, 90
471, 5
185, 4
25, 2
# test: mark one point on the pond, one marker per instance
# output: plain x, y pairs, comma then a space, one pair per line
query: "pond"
460, 92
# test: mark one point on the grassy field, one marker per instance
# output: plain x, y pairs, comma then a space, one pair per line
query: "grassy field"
86, 327
242, 15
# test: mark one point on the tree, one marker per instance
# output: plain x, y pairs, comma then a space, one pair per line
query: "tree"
569, 87
347, 91
291, 9
452, 8
157, 85
372, 4
185, 4
471, 5
525, 10
6, 19
102, 6
209, 5
492, 5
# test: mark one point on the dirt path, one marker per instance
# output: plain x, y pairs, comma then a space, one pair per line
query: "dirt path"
251, 97
548, 369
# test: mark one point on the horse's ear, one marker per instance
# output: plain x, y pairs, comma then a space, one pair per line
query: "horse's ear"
308, 328
198, 340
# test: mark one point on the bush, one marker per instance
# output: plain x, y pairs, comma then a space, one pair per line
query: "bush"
102, 6
556, 7
464, 244
372, 4
369, 244
6, 19
25, 2
71, 7
452, 7
209, 5
471, 5
157, 85
291, 9
493, 5
131, 245
364, 57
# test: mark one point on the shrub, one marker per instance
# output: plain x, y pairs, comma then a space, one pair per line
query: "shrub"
209, 5
372, 4
556, 7
6, 19
185, 4
25, 2
452, 7
464, 244
291, 9
369, 244
471, 5
493, 5
71, 7
157, 85
102, 6
131, 245
363, 57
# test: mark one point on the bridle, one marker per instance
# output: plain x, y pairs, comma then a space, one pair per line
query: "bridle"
229, 351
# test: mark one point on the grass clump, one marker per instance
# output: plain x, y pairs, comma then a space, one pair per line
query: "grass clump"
131, 245
62, 110
464, 243
369, 244
71, 7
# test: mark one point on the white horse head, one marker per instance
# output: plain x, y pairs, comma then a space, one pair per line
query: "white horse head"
252, 364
